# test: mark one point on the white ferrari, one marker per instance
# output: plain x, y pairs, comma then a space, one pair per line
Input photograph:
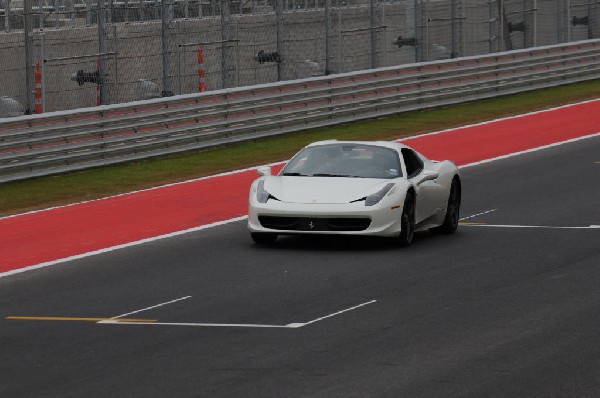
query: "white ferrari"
355, 188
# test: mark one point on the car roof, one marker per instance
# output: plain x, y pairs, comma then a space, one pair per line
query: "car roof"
386, 144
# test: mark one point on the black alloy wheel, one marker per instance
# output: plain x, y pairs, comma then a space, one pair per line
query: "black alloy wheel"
452, 211
407, 221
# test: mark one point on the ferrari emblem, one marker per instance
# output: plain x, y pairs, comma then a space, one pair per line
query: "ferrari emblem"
311, 225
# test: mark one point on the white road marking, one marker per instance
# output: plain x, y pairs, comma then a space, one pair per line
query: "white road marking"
235, 325
218, 325
478, 214
147, 240
530, 226
149, 308
123, 246
335, 313
504, 118
539, 148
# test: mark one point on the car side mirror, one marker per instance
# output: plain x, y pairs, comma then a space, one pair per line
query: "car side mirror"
264, 170
428, 175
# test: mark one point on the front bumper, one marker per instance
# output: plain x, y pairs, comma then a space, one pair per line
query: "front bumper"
278, 217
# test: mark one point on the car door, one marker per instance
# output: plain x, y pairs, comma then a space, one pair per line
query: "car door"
427, 188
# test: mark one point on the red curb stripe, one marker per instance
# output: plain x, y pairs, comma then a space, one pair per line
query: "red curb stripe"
62, 232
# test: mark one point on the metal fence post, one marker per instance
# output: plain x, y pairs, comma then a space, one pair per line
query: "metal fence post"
101, 53
115, 50
418, 31
492, 23
559, 21
237, 52
166, 64
280, 50
591, 20
535, 25
340, 69
29, 71
327, 36
373, 9
178, 44
454, 28
427, 39
7, 16
43, 66
225, 43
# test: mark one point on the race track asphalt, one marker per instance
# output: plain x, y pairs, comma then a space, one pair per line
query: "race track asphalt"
495, 310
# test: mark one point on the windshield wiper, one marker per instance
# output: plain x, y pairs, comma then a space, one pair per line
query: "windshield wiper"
294, 174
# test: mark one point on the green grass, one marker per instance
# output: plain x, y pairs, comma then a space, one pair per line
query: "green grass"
21, 196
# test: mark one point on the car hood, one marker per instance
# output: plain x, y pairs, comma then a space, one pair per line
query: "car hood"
331, 190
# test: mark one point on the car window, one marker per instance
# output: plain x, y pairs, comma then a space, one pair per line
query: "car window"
413, 163
345, 160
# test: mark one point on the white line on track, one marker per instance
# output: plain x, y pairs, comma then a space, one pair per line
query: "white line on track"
529, 226
149, 308
539, 148
334, 314
239, 325
147, 240
478, 214
214, 325
123, 246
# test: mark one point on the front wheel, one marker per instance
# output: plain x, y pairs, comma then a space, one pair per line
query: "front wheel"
263, 238
452, 211
407, 221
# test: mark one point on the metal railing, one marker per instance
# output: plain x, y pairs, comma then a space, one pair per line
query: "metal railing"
39, 145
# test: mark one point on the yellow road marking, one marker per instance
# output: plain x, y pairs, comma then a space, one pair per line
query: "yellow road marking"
472, 223
59, 318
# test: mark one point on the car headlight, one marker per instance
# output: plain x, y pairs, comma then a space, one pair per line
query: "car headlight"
375, 198
262, 196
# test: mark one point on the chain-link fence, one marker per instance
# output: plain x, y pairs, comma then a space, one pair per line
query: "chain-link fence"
139, 49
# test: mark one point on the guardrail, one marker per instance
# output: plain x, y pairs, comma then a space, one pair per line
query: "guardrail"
39, 145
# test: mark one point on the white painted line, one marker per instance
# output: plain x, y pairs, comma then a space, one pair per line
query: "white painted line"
510, 155
334, 314
149, 308
502, 119
217, 325
147, 240
234, 325
478, 214
529, 226
123, 246
141, 190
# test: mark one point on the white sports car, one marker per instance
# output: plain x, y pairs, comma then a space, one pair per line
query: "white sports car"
355, 188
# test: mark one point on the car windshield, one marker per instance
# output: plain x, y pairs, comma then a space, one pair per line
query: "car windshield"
344, 160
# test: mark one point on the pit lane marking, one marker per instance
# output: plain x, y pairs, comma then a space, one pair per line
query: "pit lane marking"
239, 325
145, 309
132, 321
75, 319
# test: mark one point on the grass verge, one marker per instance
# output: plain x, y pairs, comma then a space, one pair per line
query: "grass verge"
20, 196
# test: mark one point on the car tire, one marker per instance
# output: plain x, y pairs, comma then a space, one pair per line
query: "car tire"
407, 221
452, 211
263, 238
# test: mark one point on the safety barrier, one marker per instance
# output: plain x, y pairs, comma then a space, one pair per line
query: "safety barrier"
57, 142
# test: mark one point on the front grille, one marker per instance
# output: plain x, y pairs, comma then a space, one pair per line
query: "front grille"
314, 224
